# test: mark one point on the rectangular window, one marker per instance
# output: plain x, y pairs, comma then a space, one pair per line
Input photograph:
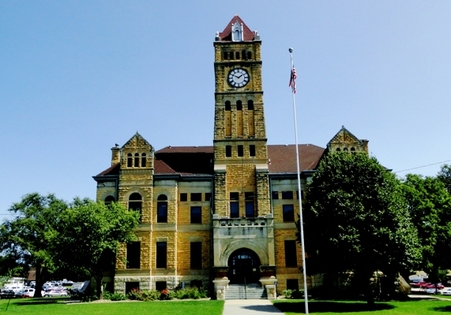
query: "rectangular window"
240, 150
287, 195
207, 196
250, 211
196, 197
228, 150
293, 284
275, 195
234, 205
288, 213
161, 254
160, 285
133, 255
195, 284
234, 209
196, 214
183, 197
196, 255
162, 212
290, 254
131, 286
252, 150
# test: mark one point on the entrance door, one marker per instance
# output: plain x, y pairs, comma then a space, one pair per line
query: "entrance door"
244, 266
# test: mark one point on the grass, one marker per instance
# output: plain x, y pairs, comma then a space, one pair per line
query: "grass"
57, 306
417, 307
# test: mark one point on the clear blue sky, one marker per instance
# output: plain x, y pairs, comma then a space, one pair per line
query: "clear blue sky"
76, 77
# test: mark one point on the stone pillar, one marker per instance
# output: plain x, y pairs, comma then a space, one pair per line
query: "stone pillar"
270, 285
221, 282
221, 285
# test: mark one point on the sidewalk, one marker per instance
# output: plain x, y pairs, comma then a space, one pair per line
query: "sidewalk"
249, 307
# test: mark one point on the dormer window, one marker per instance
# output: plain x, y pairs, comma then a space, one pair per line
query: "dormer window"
237, 32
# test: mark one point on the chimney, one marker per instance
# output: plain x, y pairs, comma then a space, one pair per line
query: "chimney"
115, 154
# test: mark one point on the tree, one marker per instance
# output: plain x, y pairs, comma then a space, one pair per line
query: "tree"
444, 175
66, 239
430, 209
28, 236
89, 236
356, 220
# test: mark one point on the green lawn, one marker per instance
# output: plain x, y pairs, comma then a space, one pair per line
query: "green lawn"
57, 306
207, 307
416, 307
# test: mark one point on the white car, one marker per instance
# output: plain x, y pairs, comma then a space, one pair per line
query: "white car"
28, 293
432, 290
446, 291
55, 292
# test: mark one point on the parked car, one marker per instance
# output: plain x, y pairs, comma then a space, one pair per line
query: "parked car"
431, 290
28, 293
54, 293
446, 291
7, 294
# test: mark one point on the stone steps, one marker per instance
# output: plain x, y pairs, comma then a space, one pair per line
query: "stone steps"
241, 292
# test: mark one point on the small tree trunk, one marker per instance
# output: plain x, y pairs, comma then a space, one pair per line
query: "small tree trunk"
99, 286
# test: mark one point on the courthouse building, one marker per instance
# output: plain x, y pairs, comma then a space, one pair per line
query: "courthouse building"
220, 215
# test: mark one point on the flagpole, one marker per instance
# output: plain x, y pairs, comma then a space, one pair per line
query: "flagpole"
301, 222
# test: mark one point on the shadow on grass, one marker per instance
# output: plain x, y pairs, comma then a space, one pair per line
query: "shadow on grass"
446, 309
331, 307
39, 301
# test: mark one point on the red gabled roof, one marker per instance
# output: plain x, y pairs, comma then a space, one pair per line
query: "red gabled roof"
197, 160
196, 149
225, 35
283, 157
163, 168
112, 170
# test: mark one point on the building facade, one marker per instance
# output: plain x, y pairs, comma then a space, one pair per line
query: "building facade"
217, 215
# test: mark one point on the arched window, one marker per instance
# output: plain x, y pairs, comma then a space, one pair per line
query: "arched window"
136, 160
239, 105
227, 105
129, 160
338, 150
352, 150
109, 199
143, 160
250, 105
237, 36
162, 209
345, 149
135, 203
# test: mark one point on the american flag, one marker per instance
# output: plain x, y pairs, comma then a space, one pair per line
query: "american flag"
293, 77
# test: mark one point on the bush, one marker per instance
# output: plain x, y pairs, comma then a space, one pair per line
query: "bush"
293, 294
113, 296
144, 295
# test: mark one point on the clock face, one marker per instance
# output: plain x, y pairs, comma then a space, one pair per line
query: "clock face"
238, 77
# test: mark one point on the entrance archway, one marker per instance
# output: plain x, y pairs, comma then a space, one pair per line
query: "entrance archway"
244, 266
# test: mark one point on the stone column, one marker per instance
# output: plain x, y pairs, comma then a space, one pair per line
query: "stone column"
270, 285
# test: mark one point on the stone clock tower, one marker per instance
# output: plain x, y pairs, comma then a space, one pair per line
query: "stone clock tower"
241, 181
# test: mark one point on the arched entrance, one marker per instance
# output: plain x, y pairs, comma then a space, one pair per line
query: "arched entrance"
244, 266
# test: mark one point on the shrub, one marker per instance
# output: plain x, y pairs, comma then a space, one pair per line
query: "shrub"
293, 294
116, 296
144, 295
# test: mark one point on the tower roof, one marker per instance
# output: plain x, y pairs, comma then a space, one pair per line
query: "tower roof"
226, 34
